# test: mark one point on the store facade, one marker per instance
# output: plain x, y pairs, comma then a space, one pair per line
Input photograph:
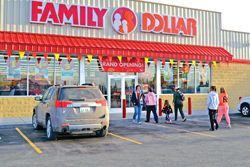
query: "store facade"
113, 44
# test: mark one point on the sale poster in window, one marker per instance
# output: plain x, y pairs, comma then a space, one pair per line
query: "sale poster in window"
41, 70
203, 74
67, 70
168, 73
13, 69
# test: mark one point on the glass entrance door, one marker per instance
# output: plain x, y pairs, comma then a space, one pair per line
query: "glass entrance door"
115, 88
129, 87
120, 87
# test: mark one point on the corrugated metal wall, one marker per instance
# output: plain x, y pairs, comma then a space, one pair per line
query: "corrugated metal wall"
237, 43
14, 16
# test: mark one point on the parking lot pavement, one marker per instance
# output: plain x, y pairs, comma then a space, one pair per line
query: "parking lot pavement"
149, 144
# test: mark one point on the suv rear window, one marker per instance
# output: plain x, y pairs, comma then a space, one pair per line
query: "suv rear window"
77, 94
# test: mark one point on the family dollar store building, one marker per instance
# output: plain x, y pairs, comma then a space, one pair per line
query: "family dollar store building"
116, 45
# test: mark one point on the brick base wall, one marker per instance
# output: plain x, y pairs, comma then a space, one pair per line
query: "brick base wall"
235, 78
198, 101
16, 106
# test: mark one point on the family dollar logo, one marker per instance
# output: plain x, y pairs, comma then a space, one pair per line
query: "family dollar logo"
124, 20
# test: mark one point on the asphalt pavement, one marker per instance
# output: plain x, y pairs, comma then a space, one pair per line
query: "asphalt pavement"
131, 145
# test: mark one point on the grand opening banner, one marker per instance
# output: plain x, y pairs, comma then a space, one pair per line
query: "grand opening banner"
114, 65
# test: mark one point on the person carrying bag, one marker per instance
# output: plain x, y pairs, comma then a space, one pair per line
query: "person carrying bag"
178, 104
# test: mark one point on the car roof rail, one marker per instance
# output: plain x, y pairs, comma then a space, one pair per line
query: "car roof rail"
57, 85
87, 84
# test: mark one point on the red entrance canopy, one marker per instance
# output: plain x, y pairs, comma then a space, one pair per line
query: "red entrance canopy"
44, 43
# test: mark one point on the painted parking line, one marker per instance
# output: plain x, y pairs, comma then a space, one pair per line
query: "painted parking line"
184, 130
126, 139
38, 150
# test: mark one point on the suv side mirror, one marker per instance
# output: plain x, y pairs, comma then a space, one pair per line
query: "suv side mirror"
38, 98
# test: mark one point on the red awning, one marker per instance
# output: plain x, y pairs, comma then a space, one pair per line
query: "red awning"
42, 43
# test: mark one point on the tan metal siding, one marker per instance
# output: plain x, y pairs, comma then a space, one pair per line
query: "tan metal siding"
14, 16
237, 43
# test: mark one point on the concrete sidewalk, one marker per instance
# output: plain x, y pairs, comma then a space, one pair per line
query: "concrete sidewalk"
113, 116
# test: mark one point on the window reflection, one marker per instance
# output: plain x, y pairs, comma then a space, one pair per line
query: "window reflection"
148, 78
187, 75
94, 74
203, 78
15, 72
67, 71
13, 76
41, 74
168, 77
192, 78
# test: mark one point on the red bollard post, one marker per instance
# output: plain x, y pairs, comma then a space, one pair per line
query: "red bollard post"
160, 106
124, 108
189, 106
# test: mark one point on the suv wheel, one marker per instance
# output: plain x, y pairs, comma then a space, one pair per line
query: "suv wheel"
51, 135
245, 110
35, 122
102, 133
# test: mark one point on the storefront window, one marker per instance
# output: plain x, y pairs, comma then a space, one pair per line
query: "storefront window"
187, 77
202, 78
94, 75
192, 79
67, 72
148, 78
41, 74
13, 76
168, 77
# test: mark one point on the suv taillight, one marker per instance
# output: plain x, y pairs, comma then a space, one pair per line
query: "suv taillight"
102, 102
62, 103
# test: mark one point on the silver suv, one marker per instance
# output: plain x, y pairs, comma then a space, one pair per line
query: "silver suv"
71, 110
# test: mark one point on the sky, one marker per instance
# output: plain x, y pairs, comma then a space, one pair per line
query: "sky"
235, 13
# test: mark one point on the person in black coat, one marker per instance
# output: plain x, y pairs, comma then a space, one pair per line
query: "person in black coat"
178, 104
137, 100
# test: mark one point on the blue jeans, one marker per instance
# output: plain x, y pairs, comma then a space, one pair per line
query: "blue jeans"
137, 113
167, 117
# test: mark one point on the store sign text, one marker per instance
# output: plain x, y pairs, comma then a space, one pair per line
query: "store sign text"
133, 65
59, 14
168, 24
124, 20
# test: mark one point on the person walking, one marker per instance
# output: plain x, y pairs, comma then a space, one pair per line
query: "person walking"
212, 104
178, 104
167, 109
137, 100
150, 101
223, 107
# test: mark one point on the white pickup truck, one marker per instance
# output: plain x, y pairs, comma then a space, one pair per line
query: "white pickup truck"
244, 106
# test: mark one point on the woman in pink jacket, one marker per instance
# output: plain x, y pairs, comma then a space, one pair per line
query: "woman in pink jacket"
223, 107
150, 101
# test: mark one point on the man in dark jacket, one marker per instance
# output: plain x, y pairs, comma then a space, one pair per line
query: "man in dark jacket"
178, 103
137, 100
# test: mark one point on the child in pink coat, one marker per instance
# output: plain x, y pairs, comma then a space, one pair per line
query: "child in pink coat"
223, 107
